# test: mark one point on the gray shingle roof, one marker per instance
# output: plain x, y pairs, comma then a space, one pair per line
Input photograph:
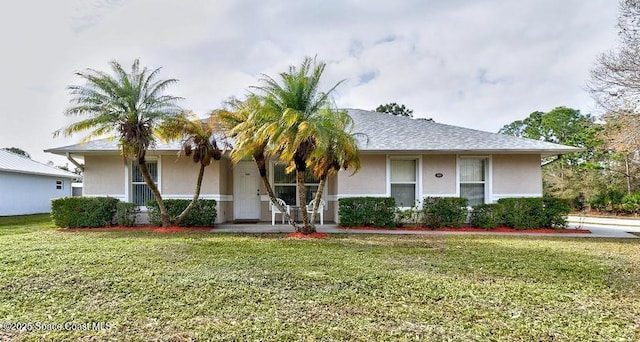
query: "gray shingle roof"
107, 145
390, 133
387, 132
11, 162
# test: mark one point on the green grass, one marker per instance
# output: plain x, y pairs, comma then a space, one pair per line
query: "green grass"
203, 286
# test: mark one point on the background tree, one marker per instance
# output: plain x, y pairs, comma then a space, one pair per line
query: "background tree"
126, 106
615, 79
566, 177
615, 85
622, 142
65, 167
198, 142
17, 150
395, 109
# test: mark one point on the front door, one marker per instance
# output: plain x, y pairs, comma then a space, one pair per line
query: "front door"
246, 191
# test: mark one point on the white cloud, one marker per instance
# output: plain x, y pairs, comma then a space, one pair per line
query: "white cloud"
479, 64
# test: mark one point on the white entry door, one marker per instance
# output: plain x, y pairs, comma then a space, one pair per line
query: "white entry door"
246, 191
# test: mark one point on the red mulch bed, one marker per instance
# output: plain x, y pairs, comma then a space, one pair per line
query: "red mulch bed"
141, 228
481, 230
316, 235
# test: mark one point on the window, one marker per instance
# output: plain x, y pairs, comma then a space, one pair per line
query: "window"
286, 187
59, 185
403, 179
140, 192
473, 180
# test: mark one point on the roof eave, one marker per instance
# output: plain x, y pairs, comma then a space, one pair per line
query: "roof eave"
42, 173
545, 152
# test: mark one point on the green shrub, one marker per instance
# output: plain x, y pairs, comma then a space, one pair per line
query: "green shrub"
555, 212
523, 213
607, 200
445, 211
203, 214
126, 213
630, 203
487, 216
367, 212
409, 215
76, 212
535, 212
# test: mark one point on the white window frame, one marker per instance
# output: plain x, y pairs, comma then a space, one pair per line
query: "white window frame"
295, 183
418, 182
59, 184
129, 178
488, 175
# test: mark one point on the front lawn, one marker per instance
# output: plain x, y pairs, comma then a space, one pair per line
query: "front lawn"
199, 286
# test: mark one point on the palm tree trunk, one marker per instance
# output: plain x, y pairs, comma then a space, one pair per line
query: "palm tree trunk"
195, 197
261, 163
302, 195
318, 198
166, 220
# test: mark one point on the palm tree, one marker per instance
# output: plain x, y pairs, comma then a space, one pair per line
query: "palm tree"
198, 142
337, 149
242, 121
294, 136
126, 106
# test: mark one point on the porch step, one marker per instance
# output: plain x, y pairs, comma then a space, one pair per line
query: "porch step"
245, 221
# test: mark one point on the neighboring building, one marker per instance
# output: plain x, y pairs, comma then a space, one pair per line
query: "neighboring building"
406, 158
27, 186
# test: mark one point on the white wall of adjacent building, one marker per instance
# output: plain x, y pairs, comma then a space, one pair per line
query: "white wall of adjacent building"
22, 194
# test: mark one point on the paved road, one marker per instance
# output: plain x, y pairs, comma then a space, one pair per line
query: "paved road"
605, 226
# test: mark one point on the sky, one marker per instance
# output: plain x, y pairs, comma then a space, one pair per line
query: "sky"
479, 64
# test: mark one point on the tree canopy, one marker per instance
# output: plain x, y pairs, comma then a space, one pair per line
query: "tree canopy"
289, 119
17, 150
127, 106
561, 125
566, 176
615, 81
395, 109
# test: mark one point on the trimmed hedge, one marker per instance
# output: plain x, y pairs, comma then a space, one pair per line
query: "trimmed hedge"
522, 213
534, 212
445, 211
203, 214
556, 211
82, 212
367, 212
126, 213
487, 216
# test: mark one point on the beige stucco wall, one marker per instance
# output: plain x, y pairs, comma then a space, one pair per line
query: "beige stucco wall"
370, 180
511, 175
179, 176
225, 211
225, 172
517, 174
104, 175
444, 164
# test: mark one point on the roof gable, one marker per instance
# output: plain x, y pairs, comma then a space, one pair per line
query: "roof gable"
11, 162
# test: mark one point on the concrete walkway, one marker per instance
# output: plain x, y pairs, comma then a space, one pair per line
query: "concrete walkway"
598, 230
